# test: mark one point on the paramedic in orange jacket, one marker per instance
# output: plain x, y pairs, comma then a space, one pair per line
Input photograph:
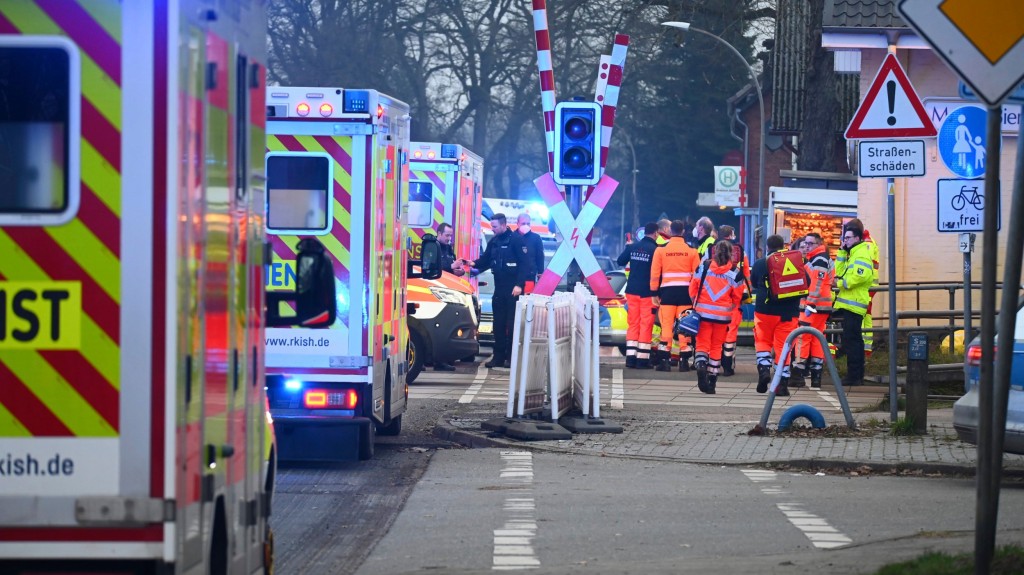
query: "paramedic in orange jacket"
774, 320
817, 308
743, 267
716, 294
671, 273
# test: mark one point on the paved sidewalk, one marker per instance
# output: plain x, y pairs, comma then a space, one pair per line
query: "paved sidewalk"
698, 430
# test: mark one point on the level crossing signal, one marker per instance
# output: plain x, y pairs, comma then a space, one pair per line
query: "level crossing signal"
577, 143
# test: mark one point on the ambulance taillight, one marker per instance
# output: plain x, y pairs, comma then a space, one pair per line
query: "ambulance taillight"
330, 399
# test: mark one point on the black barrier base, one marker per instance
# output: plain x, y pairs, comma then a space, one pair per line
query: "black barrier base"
497, 425
585, 424
526, 430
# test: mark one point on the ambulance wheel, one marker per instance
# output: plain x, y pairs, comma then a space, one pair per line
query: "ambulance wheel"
366, 441
392, 428
416, 356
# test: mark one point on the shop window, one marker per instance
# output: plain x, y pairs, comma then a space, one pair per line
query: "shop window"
39, 130
298, 193
421, 204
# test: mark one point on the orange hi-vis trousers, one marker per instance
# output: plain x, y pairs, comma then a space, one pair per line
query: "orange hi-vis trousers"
710, 338
729, 346
770, 334
667, 315
640, 315
808, 345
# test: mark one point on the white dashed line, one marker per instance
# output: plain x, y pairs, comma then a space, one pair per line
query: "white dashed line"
478, 383
513, 542
831, 399
817, 530
618, 395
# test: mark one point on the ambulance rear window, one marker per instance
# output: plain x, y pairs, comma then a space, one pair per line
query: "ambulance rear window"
39, 130
297, 193
421, 204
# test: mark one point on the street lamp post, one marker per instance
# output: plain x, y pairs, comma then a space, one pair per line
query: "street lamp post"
686, 27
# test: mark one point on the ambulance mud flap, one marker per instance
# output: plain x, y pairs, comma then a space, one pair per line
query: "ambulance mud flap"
321, 439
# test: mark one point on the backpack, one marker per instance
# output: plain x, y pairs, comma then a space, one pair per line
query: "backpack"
786, 275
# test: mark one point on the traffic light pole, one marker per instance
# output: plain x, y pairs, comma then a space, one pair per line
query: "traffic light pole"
575, 197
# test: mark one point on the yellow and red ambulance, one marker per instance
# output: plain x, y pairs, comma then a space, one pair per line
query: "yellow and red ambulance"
337, 171
132, 412
445, 186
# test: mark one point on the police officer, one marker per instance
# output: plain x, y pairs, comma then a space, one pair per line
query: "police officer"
639, 302
506, 258
534, 249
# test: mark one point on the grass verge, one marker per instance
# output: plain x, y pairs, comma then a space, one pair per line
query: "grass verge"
1008, 560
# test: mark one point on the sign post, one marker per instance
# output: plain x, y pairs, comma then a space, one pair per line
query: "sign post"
891, 109
982, 44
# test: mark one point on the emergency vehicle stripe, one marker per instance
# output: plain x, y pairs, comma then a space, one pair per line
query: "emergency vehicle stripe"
100, 220
91, 254
88, 382
96, 345
9, 425
101, 177
87, 34
107, 15
99, 87
102, 135
26, 409
339, 238
59, 397
6, 27
56, 263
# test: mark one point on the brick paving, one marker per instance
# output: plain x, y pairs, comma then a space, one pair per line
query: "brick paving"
665, 417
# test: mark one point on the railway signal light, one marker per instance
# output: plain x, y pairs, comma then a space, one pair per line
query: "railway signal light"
577, 143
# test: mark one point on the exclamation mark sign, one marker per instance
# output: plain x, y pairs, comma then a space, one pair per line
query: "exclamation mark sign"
890, 89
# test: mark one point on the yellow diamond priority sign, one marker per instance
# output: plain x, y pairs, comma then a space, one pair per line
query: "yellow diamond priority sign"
982, 40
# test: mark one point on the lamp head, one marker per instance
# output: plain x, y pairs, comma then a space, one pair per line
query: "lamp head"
684, 26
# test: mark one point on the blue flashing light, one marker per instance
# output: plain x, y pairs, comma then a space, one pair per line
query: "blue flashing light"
293, 385
356, 101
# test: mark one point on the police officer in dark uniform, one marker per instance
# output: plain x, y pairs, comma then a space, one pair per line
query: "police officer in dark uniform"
506, 259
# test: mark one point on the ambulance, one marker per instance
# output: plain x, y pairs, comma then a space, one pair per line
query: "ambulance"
337, 172
133, 419
445, 185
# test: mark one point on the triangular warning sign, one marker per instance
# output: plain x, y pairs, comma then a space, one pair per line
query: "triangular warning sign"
789, 269
891, 108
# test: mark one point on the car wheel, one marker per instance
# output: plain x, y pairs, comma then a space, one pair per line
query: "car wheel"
416, 356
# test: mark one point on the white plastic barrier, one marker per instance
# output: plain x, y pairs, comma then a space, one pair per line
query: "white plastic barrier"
586, 352
555, 355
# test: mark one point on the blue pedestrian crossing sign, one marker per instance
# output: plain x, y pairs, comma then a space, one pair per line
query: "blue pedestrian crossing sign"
962, 140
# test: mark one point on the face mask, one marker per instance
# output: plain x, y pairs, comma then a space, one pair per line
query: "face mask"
524, 229
696, 232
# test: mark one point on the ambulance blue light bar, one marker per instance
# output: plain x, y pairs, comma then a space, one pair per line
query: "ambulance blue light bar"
356, 102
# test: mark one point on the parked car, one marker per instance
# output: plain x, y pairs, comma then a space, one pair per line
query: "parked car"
965, 410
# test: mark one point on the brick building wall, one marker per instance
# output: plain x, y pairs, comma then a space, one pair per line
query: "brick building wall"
924, 253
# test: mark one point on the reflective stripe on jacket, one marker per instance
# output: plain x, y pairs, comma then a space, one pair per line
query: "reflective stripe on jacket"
673, 265
704, 249
722, 293
821, 273
856, 280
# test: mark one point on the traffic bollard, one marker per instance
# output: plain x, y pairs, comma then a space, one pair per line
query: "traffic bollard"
917, 381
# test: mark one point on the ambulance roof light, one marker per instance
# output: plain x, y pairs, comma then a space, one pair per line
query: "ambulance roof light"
326, 109
431, 154
380, 110
356, 102
302, 109
417, 154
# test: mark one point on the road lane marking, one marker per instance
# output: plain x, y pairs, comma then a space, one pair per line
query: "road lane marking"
618, 395
513, 541
816, 529
831, 399
478, 383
